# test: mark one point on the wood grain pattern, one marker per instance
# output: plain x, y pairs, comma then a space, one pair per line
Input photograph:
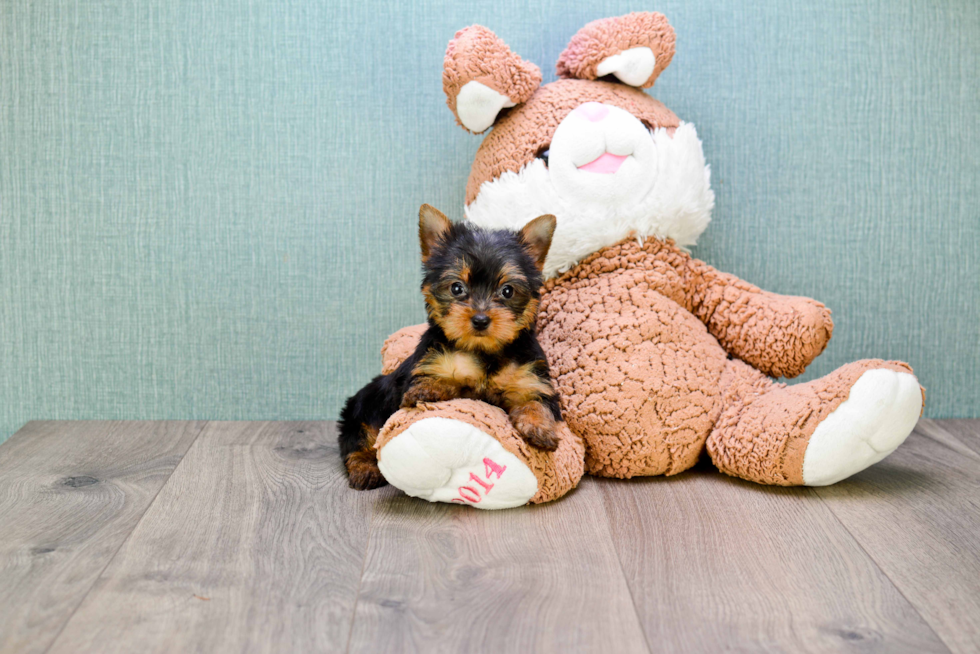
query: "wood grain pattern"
70, 494
442, 578
255, 544
965, 431
917, 514
718, 564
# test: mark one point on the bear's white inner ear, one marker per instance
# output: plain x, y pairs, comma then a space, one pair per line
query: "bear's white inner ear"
633, 66
477, 105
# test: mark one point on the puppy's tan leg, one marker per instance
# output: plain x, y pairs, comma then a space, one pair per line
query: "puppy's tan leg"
362, 464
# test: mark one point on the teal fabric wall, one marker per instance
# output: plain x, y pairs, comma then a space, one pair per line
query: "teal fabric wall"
207, 209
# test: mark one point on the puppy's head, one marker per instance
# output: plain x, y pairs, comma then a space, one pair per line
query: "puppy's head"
481, 286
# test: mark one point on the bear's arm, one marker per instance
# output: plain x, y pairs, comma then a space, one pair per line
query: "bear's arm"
399, 346
777, 334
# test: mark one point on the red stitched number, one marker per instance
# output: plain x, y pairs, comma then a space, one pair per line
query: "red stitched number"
491, 466
486, 486
469, 494
473, 495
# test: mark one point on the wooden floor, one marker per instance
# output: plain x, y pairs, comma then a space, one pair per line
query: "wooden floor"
233, 537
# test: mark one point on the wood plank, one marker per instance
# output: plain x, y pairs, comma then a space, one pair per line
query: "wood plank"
718, 564
917, 514
444, 578
965, 431
70, 494
255, 544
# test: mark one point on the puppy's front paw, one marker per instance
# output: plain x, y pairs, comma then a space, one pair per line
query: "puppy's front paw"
410, 399
363, 472
543, 439
535, 423
423, 393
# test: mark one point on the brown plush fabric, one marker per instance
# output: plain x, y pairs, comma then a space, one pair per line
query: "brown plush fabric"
522, 133
609, 36
557, 472
399, 346
778, 334
764, 429
477, 54
639, 375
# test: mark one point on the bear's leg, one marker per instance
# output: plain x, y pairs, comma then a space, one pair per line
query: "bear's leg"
467, 452
816, 433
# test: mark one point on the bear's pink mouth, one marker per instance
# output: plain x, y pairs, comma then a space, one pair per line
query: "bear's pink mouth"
607, 163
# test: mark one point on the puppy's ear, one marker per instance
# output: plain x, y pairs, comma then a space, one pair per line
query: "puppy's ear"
635, 48
536, 236
481, 76
433, 226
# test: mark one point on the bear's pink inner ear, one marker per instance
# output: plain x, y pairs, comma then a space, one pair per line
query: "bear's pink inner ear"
481, 76
634, 48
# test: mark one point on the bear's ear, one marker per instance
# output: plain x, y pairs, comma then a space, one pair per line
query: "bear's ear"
481, 76
635, 48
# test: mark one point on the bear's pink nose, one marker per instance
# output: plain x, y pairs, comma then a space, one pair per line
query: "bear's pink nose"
593, 111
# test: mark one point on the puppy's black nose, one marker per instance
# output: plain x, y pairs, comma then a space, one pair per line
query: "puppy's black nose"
480, 321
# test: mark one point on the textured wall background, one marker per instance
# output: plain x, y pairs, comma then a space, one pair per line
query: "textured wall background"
207, 209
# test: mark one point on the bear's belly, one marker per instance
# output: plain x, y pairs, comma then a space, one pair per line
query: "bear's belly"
637, 373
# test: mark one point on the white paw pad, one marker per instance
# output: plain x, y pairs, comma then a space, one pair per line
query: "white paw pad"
444, 460
877, 416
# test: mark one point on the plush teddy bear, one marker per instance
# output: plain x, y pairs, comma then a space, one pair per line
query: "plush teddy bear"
657, 356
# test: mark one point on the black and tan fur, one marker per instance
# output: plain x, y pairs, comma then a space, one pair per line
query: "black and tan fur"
481, 295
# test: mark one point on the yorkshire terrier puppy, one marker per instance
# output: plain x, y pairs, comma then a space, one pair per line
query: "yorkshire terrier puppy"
481, 296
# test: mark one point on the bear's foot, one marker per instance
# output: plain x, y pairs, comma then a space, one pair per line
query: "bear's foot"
447, 460
817, 433
467, 452
878, 415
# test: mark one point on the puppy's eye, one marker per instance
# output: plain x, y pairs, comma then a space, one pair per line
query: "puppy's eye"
457, 289
507, 291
